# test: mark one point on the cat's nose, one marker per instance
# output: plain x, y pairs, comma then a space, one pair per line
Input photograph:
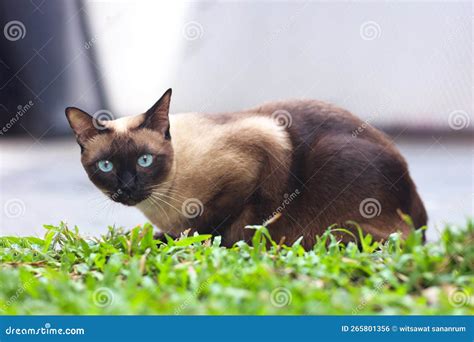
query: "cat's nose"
127, 182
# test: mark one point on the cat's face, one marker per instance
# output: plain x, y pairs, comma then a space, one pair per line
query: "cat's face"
128, 157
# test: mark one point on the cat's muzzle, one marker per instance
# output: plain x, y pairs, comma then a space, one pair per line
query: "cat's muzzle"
126, 197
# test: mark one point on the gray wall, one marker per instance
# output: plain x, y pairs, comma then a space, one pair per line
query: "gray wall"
406, 63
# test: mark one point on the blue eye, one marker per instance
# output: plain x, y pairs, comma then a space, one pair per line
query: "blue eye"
145, 160
105, 165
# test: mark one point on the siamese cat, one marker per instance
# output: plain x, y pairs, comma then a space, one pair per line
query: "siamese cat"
302, 165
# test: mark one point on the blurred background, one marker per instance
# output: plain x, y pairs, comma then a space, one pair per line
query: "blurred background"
404, 67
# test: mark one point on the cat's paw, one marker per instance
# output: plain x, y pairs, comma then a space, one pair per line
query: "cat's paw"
161, 236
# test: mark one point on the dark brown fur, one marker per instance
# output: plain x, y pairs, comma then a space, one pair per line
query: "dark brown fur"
337, 161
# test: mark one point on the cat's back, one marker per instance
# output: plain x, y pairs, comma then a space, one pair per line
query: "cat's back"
305, 120
299, 121
310, 121
211, 142
211, 131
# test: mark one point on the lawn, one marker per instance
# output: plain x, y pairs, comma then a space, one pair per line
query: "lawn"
131, 273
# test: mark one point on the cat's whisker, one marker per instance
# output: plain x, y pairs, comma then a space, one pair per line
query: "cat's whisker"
178, 211
171, 194
100, 201
97, 198
164, 197
110, 209
168, 196
162, 192
157, 204
169, 191
173, 190
169, 204
163, 184
103, 206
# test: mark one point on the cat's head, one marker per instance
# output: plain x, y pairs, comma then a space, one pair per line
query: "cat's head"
127, 157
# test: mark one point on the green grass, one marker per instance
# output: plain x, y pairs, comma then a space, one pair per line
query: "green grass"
131, 273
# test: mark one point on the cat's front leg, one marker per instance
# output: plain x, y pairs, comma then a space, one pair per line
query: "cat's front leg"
161, 236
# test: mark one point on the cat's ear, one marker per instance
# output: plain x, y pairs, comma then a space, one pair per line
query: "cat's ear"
82, 124
157, 117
